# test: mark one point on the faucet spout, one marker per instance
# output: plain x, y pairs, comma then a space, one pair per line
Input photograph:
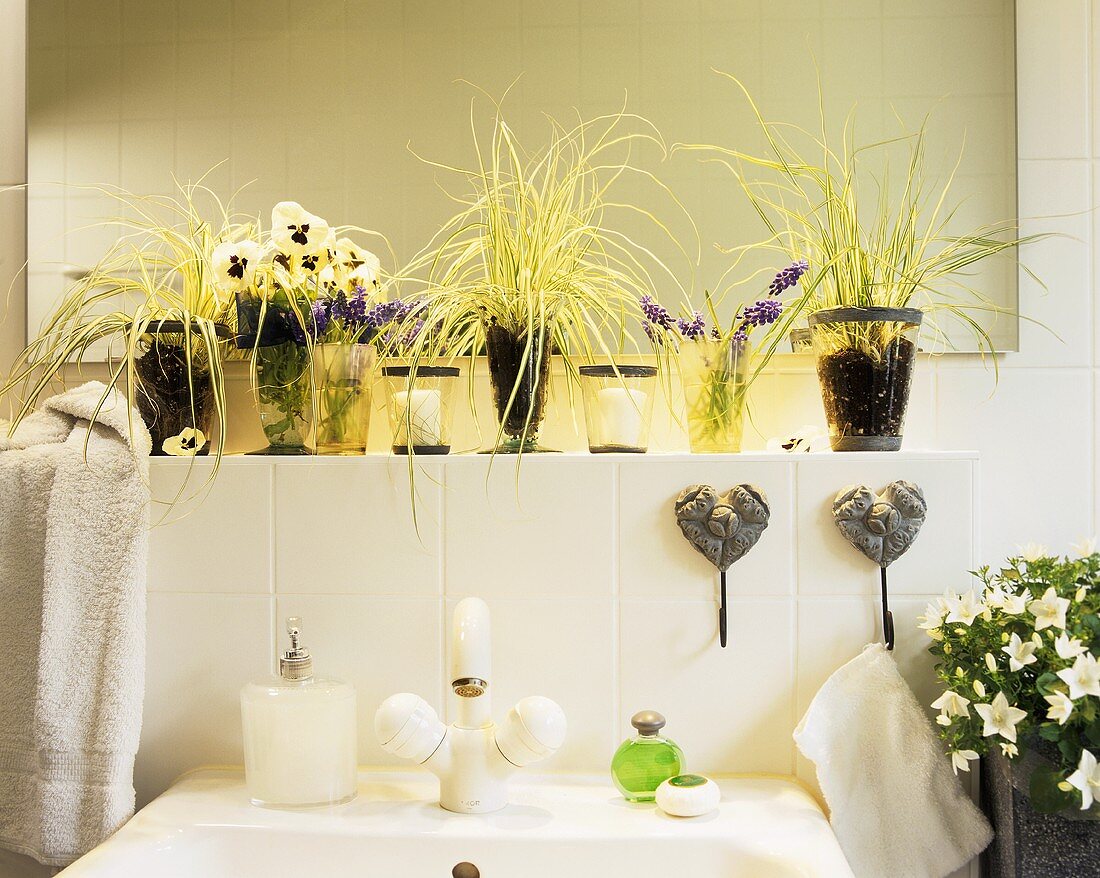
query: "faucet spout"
471, 663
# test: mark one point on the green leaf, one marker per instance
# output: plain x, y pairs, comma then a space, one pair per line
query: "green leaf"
1044, 792
1092, 731
1093, 621
1050, 732
1045, 681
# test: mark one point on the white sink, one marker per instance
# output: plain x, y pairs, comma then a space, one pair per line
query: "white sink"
559, 825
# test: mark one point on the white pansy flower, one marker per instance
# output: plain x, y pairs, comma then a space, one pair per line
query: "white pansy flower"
1086, 779
1010, 750
188, 443
1084, 547
1032, 551
964, 609
952, 704
961, 759
1083, 678
235, 263
1049, 610
1020, 653
1068, 647
326, 277
1000, 718
366, 274
1060, 707
806, 439
297, 232
349, 253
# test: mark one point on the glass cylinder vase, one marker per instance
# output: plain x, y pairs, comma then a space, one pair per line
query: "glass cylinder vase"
865, 359
519, 372
618, 407
420, 407
715, 377
343, 373
284, 397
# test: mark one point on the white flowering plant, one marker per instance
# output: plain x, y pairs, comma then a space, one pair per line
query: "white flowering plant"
1018, 658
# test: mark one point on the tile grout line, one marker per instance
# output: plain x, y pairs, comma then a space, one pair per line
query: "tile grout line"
271, 562
794, 468
441, 591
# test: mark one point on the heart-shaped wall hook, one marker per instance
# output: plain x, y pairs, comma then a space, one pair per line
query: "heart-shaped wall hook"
882, 526
722, 527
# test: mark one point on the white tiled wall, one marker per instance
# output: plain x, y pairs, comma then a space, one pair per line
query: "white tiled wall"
597, 599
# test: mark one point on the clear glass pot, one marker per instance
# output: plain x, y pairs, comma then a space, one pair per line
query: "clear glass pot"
344, 373
618, 407
421, 407
715, 375
865, 359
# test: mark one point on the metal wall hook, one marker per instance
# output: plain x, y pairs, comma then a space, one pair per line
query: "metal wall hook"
883, 527
722, 528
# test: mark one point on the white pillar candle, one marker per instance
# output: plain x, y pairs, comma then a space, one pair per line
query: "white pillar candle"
622, 411
426, 416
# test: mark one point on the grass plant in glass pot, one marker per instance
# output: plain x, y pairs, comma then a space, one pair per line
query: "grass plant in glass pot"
883, 259
529, 267
152, 302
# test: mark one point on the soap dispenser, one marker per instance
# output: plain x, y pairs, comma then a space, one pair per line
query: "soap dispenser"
645, 761
299, 734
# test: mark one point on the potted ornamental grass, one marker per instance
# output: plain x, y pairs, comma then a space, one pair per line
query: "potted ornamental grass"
1017, 657
714, 361
530, 266
152, 304
883, 261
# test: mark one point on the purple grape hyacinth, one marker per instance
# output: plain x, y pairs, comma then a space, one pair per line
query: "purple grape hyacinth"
693, 329
788, 277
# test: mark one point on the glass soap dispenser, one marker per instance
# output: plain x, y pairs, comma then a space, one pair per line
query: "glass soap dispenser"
645, 761
299, 734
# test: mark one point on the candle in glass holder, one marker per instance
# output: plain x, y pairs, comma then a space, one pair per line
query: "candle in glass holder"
622, 415
420, 413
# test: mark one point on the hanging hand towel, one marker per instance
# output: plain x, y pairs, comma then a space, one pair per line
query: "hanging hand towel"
896, 807
73, 541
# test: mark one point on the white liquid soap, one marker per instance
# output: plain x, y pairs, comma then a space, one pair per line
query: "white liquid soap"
300, 743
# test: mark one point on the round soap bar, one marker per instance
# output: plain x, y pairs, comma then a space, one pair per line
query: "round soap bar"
688, 795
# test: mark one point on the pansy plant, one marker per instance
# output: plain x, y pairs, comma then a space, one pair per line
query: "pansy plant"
1018, 659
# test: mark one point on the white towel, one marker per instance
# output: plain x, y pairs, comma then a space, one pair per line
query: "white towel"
896, 807
73, 545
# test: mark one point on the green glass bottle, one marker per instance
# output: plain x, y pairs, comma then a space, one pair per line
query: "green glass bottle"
645, 761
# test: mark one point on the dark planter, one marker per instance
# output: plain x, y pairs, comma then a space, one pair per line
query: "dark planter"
865, 359
168, 399
526, 372
1030, 844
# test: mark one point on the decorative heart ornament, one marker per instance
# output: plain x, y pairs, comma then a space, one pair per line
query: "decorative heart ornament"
882, 526
723, 527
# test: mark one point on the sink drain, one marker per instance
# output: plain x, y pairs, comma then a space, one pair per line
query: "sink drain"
466, 870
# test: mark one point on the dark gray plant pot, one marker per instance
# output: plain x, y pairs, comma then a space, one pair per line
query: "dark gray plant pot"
1029, 844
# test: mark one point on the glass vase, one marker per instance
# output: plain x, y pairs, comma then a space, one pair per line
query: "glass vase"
343, 373
520, 377
284, 397
618, 407
420, 408
715, 376
865, 359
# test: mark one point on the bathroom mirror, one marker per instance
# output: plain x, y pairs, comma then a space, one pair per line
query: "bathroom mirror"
323, 101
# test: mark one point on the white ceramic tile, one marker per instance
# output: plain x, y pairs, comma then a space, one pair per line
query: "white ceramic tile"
1052, 79
379, 645
942, 553
564, 649
200, 651
656, 560
731, 710
217, 537
1034, 432
147, 150
361, 538
13, 55
549, 533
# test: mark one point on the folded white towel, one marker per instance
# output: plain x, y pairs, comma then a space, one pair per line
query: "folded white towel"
896, 807
73, 545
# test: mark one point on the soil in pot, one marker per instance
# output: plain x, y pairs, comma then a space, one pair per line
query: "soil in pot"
865, 399
509, 362
165, 399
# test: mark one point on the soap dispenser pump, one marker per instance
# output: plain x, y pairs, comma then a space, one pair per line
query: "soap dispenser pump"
300, 743
645, 761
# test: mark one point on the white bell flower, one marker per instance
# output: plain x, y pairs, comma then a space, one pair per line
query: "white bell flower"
297, 232
1085, 547
1020, 653
1086, 779
1083, 678
1068, 647
952, 704
1014, 603
964, 609
1000, 718
961, 759
1061, 708
235, 264
1049, 610
1033, 551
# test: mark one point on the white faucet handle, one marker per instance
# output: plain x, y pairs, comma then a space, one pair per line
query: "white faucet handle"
407, 726
534, 729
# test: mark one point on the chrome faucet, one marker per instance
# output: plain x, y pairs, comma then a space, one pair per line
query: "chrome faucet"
473, 757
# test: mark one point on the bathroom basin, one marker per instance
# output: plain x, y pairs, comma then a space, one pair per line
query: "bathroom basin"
556, 825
